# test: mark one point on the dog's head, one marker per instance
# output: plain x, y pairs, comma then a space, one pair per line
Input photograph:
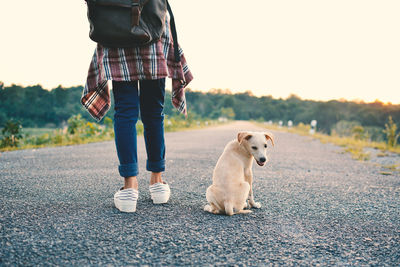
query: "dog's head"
256, 144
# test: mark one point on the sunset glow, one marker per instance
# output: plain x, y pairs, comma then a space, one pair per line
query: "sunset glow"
323, 50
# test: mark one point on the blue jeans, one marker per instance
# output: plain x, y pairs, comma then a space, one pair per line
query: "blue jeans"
128, 100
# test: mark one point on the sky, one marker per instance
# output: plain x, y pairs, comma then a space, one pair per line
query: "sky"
316, 49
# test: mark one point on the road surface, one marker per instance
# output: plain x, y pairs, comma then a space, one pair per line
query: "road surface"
318, 207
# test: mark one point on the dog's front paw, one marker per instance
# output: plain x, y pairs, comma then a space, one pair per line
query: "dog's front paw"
256, 205
208, 208
211, 209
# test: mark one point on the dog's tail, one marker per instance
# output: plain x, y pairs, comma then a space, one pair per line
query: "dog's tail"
229, 210
244, 211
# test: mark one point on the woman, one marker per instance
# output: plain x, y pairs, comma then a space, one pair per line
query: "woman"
138, 82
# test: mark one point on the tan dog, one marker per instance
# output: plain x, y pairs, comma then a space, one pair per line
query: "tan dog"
233, 177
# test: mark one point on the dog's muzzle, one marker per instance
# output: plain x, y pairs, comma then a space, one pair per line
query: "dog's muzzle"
261, 162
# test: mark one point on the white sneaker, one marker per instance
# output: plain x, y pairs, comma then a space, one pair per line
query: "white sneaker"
125, 199
160, 193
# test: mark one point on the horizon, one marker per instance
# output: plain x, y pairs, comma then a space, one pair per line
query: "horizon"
279, 48
227, 91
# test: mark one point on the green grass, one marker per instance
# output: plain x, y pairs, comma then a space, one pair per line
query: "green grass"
50, 137
390, 169
37, 131
358, 153
393, 167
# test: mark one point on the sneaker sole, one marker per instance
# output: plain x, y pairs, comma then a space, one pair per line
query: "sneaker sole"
125, 207
160, 199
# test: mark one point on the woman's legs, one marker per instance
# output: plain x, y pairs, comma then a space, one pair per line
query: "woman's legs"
126, 106
152, 93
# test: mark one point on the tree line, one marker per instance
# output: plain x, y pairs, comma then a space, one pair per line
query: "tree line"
35, 106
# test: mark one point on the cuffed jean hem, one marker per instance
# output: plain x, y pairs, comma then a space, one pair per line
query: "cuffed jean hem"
128, 170
156, 166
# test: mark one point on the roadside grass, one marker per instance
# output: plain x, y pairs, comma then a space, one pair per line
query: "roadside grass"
390, 169
350, 145
56, 138
358, 153
90, 132
37, 131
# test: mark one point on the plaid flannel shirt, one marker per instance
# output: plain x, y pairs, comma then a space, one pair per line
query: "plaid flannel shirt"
151, 62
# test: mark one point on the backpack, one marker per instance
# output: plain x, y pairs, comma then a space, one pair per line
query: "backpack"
129, 23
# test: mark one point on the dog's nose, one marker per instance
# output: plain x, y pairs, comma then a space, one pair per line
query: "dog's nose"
263, 159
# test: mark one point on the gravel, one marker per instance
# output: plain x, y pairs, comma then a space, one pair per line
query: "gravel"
319, 207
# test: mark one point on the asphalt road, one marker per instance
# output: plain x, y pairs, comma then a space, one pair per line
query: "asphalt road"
319, 207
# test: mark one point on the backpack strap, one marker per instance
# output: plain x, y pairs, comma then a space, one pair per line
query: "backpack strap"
174, 34
136, 8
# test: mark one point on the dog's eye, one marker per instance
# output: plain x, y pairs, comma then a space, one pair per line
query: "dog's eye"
265, 145
254, 147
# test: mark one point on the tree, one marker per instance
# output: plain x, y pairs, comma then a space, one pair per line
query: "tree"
12, 132
227, 113
75, 123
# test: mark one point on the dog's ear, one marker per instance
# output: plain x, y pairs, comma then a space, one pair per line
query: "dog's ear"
243, 135
270, 137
